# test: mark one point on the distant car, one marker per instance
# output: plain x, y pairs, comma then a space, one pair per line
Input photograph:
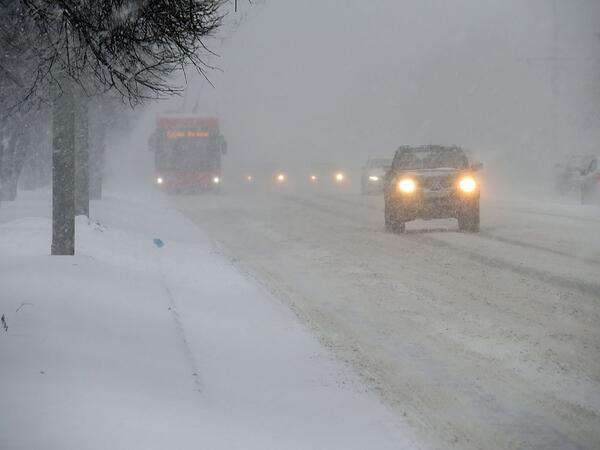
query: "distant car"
569, 175
373, 175
327, 174
590, 185
265, 176
431, 182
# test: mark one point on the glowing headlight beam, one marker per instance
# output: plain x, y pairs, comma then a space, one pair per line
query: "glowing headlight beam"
159, 180
249, 178
407, 186
467, 184
313, 178
216, 180
281, 178
374, 178
339, 177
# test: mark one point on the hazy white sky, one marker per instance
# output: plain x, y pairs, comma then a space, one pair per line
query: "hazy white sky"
329, 79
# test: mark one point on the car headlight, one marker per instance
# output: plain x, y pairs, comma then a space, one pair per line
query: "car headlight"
281, 178
159, 180
407, 185
313, 178
339, 177
249, 178
467, 184
216, 180
374, 178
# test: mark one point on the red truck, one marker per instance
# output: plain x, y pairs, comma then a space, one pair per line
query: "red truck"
187, 153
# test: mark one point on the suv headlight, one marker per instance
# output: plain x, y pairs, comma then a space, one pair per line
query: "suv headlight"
467, 184
407, 185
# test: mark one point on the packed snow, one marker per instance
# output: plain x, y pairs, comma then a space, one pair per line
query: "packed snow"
133, 345
486, 340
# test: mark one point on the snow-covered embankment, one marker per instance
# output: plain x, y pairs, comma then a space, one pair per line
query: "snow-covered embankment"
129, 345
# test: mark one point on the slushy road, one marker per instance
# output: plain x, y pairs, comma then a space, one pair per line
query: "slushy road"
488, 340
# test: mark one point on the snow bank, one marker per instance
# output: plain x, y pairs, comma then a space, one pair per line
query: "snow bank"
132, 346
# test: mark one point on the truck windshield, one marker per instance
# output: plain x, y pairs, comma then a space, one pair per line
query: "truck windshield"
431, 159
191, 154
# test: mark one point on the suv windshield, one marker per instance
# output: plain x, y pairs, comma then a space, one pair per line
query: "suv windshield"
431, 159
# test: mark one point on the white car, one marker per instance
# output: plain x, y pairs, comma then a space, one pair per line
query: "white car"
373, 175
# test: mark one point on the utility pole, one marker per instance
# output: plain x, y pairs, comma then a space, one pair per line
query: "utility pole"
556, 137
554, 59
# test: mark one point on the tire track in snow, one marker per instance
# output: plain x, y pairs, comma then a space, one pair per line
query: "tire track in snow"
179, 327
582, 286
488, 234
548, 214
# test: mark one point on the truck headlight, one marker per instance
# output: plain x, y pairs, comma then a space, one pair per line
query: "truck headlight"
467, 184
407, 185
159, 180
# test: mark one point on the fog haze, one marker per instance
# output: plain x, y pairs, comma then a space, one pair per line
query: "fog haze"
279, 278
341, 81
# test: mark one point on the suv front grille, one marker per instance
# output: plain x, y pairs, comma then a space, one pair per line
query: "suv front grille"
436, 183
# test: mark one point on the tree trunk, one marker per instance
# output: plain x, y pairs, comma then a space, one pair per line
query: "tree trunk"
96, 168
8, 175
82, 174
97, 136
63, 173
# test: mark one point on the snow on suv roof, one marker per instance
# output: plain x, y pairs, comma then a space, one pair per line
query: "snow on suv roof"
430, 157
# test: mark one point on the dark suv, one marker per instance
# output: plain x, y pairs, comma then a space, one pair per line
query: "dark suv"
431, 182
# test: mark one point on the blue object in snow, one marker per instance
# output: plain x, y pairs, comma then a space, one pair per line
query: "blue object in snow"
159, 243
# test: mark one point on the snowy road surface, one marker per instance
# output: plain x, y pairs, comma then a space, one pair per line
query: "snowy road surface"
479, 341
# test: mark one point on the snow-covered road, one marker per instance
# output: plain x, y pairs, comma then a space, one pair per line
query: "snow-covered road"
480, 341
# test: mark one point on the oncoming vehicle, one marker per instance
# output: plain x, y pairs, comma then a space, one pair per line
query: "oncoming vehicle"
373, 175
327, 175
569, 175
187, 153
431, 182
590, 185
266, 175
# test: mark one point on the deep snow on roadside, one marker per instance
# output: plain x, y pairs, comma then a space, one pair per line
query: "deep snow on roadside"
131, 346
